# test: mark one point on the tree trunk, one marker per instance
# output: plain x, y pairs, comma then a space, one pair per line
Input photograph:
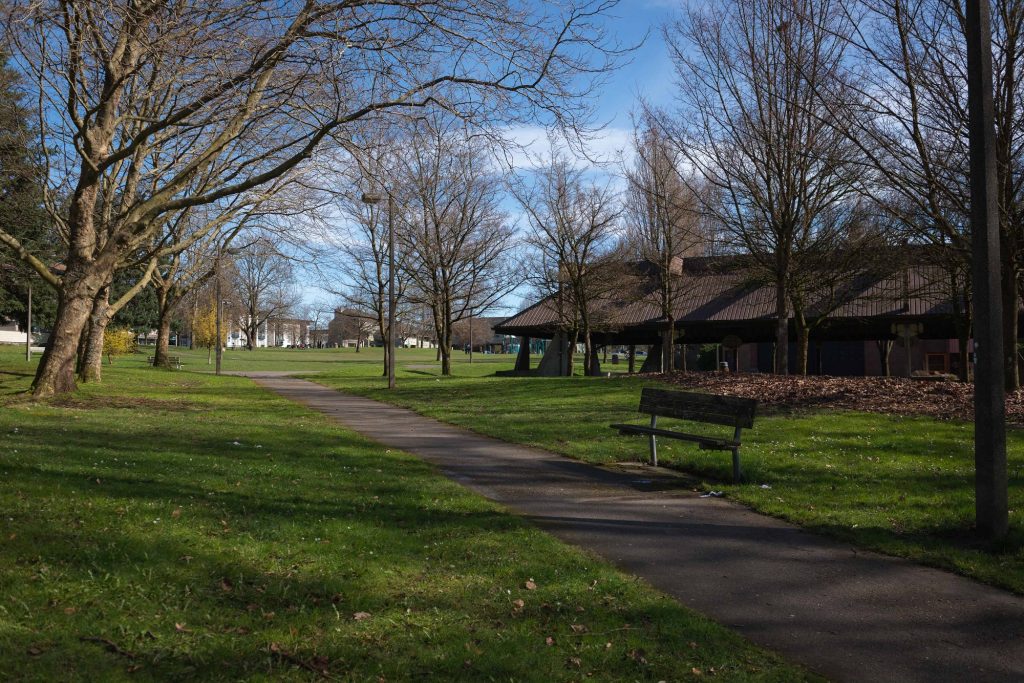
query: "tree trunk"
803, 343
781, 330
884, 349
56, 371
1011, 303
682, 358
163, 335
90, 367
588, 353
163, 329
963, 336
632, 358
667, 348
570, 351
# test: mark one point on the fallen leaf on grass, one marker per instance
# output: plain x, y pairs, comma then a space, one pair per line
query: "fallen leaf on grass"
360, 616
578, 628
549, 640
226, 585
181, 628
530, 585
176, 513
518, 605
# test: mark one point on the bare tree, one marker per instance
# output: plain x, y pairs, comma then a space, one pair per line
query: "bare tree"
457, 240
665, 221
354, 263
913, 83
752, 76
138, 100
263, 281
572, 226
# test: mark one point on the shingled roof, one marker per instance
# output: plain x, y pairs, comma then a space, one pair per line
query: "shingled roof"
718, 296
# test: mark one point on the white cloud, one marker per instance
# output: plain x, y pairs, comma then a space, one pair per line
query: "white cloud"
533, 147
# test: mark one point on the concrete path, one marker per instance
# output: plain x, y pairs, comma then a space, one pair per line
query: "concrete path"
848, 614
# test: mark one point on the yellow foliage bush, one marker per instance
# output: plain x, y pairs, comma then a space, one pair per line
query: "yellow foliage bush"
118, 341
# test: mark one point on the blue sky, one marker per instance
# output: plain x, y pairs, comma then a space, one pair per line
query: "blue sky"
648, 74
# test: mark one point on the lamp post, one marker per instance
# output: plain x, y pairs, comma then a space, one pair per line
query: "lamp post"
389, 347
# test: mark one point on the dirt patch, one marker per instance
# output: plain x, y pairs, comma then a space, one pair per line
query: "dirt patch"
947, 400
120, 403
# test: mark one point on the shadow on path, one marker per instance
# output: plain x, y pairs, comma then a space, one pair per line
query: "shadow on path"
849, 614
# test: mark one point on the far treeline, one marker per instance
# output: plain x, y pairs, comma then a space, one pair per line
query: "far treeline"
192, 153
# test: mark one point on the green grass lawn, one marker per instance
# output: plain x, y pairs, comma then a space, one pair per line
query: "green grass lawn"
175, 525
900, 485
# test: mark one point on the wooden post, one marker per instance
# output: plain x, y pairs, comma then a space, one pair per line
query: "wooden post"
990, 482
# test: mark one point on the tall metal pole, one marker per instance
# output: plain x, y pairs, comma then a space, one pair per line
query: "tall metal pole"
990, 484
391, 291
28, 327
220, 339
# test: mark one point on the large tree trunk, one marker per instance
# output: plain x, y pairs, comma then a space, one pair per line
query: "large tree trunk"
56, 371
781, 330
90, 367
163, 334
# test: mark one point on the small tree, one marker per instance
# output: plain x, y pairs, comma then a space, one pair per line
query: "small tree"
204, 329
119, 341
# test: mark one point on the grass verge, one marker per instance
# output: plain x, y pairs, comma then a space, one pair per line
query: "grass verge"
171, 525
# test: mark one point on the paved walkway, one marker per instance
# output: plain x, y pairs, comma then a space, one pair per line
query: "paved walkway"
849, 614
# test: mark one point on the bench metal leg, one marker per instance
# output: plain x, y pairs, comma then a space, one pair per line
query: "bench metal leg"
737, 474
654, 442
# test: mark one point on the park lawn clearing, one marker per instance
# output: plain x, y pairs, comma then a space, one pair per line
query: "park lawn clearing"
167, 524
900, 485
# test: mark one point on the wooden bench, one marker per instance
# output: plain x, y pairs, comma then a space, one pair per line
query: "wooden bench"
172, 362
683, 405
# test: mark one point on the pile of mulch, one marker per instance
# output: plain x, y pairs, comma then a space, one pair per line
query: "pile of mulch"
948, 400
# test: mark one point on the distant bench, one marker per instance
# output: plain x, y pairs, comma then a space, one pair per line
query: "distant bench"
737, 413
172, 362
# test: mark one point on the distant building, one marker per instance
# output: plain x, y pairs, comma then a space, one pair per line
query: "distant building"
11, 333
350, 327
276, 332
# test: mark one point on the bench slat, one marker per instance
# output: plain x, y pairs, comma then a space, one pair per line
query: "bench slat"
727, 410
725, 444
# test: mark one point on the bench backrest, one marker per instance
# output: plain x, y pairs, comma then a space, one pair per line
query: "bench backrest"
685, 405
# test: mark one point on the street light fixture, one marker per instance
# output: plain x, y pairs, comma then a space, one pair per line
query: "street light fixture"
372, 199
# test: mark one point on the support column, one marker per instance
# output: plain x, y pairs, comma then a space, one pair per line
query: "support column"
653, 361
523, 357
